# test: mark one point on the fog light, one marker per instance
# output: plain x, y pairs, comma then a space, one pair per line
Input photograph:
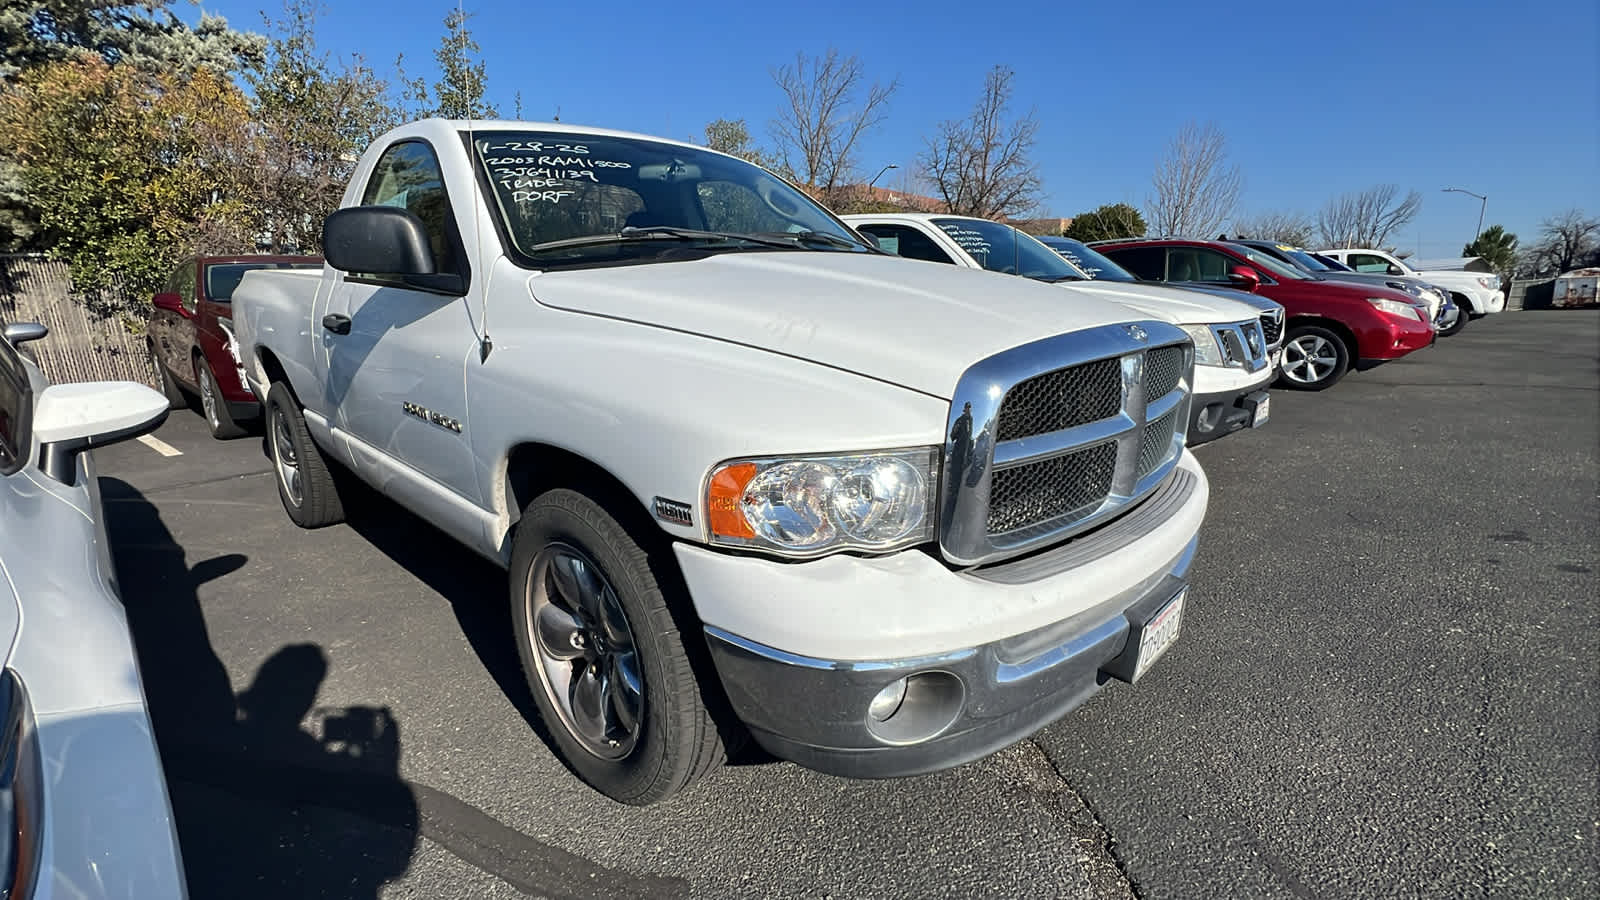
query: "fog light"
888, 701
916, 708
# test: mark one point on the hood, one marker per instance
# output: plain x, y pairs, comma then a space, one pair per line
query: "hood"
907, 322
1256, 301
1453, 278
1168, 304
1397, 282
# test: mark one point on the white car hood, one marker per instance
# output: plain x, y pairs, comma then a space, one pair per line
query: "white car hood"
1450, 278
1168, 304
901, 321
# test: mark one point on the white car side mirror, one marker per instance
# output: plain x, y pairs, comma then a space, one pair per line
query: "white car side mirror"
71, 418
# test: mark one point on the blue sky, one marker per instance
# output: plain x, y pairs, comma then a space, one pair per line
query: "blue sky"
1316, 99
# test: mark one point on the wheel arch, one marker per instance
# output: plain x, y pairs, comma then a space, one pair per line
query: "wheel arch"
1467, 304
530, 468
272, 370
1346, 334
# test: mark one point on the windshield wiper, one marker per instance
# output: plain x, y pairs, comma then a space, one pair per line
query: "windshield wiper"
1054, 279
656, 233
815, 237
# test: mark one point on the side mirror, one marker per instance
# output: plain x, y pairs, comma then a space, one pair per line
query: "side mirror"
71, 418
377, 240
1396, 270
22, 332
1245, 278
169, 302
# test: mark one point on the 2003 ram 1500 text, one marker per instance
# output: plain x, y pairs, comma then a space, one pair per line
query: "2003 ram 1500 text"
749, 475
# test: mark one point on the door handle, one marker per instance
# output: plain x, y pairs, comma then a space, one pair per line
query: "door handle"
336, 323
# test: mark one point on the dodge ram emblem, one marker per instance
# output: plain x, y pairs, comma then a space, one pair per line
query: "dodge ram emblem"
1136, 333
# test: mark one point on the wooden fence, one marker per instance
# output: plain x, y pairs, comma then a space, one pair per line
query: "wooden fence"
81, 346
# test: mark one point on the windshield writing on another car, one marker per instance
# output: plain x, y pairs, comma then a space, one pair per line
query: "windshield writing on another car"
551, 191
1004, 249
1093, 263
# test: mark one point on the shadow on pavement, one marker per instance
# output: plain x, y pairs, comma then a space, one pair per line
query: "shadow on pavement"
264, 806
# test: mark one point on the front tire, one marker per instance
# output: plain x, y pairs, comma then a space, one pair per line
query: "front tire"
1314, 359
305, 482
609, 666
1461, 317
213, 405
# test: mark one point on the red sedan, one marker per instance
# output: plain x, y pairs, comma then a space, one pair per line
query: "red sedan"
1332, 325
190, 336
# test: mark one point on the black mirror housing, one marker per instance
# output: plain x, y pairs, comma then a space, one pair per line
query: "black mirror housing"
377, 240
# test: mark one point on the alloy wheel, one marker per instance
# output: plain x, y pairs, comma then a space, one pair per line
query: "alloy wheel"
208, 398
284, 458
1309, 358
588, 661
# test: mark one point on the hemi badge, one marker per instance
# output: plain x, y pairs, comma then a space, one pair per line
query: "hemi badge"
673, 511
428, 415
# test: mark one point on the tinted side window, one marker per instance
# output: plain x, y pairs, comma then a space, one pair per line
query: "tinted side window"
1197, 264
1146, 263
903, 240
1366, 262
182, 283
408, 176
16, 411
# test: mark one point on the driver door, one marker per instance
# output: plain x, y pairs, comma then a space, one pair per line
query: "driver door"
396, 377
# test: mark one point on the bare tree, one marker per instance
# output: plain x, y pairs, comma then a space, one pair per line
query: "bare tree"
1366, 218
1567, 241
828, 107
1287, 227
981, 166
1195, 188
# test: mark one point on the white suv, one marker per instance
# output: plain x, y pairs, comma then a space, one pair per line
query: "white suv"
1477, 293
1235, 354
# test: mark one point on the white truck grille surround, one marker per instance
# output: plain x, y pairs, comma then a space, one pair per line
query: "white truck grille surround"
1053, 437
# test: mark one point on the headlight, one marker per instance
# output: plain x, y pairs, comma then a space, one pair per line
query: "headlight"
1395, 307
1487, 282
1207, 352
810, 505
21, 789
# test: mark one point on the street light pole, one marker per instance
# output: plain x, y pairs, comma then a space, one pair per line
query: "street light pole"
880, 175
1483, 202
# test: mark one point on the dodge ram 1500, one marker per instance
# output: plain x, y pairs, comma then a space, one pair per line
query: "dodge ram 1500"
749, 475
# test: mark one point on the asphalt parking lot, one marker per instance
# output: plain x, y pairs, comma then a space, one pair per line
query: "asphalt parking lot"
1388, 684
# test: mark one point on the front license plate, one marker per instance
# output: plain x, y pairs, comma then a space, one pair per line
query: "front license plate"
1263, 412
1160, 633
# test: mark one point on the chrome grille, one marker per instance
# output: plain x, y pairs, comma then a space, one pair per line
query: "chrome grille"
1163, 367
1061, 399
1155, 442
1051, 438
1026, 495
1272, 327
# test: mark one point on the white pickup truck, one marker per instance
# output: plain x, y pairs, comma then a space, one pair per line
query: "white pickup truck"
749, 475
1235, 361
1478, 294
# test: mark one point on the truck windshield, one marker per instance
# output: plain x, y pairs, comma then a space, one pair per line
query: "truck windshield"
1002, 248
1095, 264
566, 198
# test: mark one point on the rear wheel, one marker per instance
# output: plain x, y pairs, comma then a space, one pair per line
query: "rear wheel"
306, 484
609, 666
1314, 358
176, 398
213, 405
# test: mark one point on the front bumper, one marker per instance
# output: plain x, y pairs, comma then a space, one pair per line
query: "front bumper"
1081, 600
1213, 415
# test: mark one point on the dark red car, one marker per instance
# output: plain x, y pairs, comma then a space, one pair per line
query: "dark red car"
1332, 325
190, 335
